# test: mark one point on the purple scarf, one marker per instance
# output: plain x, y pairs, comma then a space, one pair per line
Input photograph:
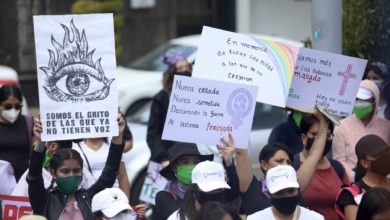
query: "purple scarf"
178, 188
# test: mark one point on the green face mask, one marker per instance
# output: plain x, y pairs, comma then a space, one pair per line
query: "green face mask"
184, 173
297, 116
362, 112
46, 161
68, 185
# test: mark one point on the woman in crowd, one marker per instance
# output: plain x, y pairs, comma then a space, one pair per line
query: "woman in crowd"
208, 184
373, 155
284, 192
94, 152
375, 205
67, 201
217, 211
379, 73
15, 130
329, 175
255, 196
177, 65
183, 157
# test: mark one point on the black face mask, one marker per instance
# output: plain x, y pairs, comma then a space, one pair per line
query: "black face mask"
328, 145
286, 205
207, 197
185, 73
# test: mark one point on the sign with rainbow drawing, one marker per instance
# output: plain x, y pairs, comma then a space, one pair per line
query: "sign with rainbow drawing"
232, 57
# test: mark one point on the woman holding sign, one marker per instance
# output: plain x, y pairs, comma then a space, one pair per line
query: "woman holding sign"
177, 65
67, 201
15, 130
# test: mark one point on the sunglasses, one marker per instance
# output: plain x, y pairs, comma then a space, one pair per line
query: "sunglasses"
8, 106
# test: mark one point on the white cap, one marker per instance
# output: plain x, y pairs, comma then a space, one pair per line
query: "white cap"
364, 94
110, 201
209, 176
281, 177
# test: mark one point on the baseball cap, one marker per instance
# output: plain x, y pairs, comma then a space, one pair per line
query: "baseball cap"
370, 145
110, 201
364, 94
281, 177
180, 149
209, 176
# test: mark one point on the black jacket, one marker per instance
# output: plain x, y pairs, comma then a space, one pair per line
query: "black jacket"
158, 114
51, 203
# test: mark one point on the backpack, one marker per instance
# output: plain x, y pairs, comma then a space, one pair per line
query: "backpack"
356, 192
334, 163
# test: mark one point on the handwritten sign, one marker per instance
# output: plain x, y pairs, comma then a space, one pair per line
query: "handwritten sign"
153, 183
76, 71
236, 58
202, 111
330, 79
14, 207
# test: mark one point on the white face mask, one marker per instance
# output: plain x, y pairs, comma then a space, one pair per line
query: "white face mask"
10, 115
122, 216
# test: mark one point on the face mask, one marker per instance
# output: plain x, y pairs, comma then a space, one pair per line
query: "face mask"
185, 73
46, 160
285, 206
10, 115
381, 165
378, 83
184, 173
297, 116
207, 197
68, 185
122, 216
328, 145
362, 108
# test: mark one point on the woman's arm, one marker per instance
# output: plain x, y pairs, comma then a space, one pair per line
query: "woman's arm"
123, 180
309, 166
350, 212
227, 153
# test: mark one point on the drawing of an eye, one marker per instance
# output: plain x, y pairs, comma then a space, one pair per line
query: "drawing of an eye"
71, 73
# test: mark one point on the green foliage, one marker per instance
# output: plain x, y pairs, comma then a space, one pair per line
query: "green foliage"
366, 30
103, 6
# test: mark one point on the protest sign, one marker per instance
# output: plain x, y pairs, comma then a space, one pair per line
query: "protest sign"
232, 57
204, 111
14, 207
76, 70
153, 183
330, 79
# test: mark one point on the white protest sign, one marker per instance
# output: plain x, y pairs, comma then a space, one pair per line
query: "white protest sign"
204, 111
153, 183
15, 207
76, 70
232, 57
330, 79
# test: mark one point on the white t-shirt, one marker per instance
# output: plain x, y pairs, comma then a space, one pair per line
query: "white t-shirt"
175, 216
305, 214
96, 158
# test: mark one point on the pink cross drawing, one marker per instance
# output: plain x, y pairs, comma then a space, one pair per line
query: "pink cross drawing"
346, 75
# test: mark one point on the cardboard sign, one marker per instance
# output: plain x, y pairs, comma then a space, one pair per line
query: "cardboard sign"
330, 79
204, 111
236, 58
153, 183
15, 207
76, 70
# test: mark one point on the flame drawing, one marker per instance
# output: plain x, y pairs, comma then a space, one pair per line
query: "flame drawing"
72, 59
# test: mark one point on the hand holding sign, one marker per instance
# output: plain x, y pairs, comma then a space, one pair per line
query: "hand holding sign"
121, 124
227, 151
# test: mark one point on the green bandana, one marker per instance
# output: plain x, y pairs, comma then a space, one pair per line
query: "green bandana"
297, 116
46, 161
362, 112
184, 173
68, 185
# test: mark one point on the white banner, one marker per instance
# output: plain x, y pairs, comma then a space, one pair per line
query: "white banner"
76, 70
15, 207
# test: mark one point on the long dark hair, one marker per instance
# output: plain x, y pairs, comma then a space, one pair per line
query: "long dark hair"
374, 201
270, 150
217, 211
360, 171
10, 90
188, 209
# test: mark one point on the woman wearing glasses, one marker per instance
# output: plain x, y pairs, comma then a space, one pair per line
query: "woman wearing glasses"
15, 130
328, 177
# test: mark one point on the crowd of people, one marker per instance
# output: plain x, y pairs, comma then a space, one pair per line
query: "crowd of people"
312, 169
